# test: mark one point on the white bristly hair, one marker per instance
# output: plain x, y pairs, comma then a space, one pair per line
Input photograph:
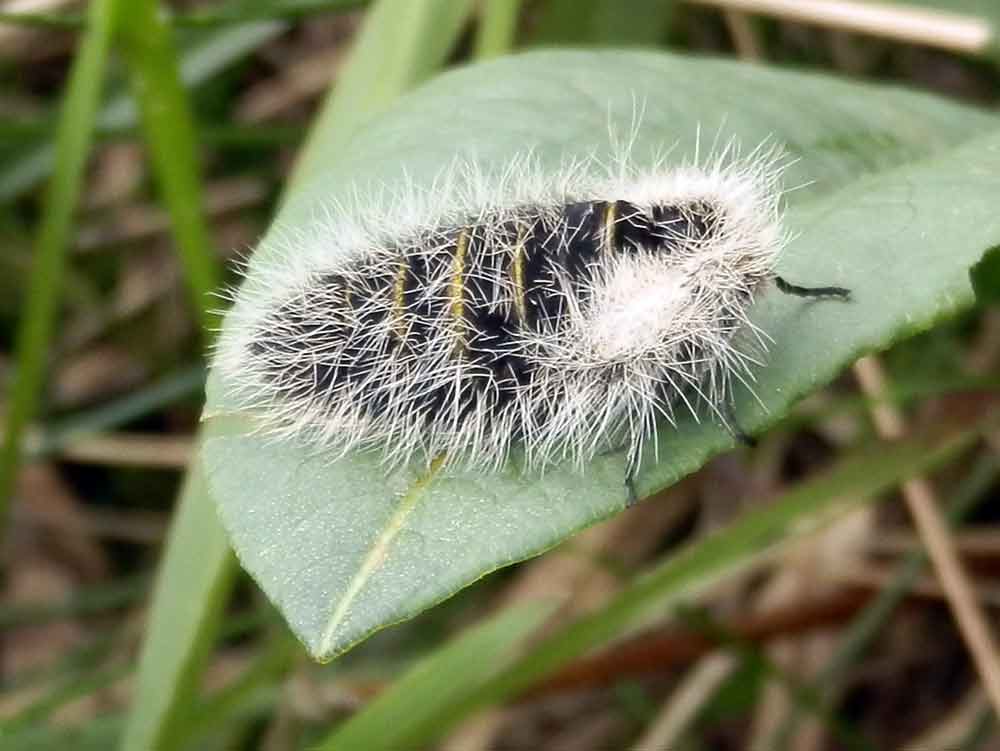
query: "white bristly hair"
639, 333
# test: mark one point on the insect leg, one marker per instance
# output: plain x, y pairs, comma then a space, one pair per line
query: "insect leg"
840, 293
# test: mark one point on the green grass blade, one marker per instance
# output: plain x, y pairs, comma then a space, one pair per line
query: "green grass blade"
497, 27
855, 480
850, 483
168, 125
192, 587
202, 59
401, 43
171, 656
172, 660
411, 712
279, 9
276, 9
73, 139
264, 674
986, 277
603, 22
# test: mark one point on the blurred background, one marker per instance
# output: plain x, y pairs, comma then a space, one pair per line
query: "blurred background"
107, 416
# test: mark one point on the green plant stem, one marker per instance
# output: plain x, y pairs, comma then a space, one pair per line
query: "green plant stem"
409, 714
189, 599
497, 27
192, 588
288, 10
147, 44
174, 651
602, 22
401, 43
276, 10
73, 138
268, 669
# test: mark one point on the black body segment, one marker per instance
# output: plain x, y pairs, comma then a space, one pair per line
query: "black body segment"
796, 290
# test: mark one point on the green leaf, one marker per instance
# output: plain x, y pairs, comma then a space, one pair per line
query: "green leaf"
852, 481
901, 203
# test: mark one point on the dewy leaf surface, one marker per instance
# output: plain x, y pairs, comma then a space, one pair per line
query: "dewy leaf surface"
901, 201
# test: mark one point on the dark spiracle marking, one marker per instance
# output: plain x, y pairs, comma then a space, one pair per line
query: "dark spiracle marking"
332, 340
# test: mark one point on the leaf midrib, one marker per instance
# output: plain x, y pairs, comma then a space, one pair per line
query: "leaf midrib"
376, 554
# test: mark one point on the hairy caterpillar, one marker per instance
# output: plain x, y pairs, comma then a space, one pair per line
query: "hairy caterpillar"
566, 313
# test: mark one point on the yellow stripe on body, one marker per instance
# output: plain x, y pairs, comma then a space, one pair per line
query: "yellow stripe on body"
608, 235
399, 326
517, 274
456, 290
